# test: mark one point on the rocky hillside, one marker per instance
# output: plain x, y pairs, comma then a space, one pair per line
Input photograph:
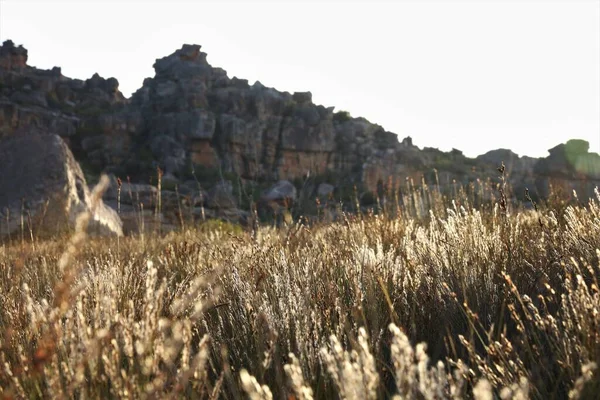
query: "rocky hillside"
206, 130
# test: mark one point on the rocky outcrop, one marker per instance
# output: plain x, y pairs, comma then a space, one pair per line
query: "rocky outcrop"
44, 188
221, 143
569, 167
12, 57
196, 115
92, 116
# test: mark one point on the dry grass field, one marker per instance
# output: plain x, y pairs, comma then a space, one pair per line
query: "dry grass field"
436, 299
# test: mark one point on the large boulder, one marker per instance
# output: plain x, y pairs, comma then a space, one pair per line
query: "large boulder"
282, 191
325, 189
42, 181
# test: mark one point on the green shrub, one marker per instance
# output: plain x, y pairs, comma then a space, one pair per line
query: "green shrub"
341, 116
218, 225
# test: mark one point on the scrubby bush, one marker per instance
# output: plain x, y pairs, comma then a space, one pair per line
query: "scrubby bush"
342, 116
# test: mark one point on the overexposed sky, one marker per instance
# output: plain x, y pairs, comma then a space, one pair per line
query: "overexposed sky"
471, 75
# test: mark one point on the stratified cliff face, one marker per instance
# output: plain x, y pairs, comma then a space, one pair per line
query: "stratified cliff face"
192, 117
191, 114
195, 114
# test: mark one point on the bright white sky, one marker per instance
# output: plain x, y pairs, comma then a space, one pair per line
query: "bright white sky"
473, 75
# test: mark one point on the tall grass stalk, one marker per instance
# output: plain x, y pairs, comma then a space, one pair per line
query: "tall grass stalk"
433, 298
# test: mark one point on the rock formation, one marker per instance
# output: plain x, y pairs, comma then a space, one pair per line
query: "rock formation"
221, 143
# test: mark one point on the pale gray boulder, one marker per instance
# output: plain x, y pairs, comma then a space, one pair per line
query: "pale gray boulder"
42, 188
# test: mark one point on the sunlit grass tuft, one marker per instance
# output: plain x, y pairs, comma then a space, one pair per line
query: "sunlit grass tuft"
453, 302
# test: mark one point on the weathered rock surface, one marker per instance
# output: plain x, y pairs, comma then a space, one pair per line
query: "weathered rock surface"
12, 57
569, 167
131, 193
197, 124
221, 196
42, 182
282, 191
325, 189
